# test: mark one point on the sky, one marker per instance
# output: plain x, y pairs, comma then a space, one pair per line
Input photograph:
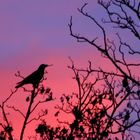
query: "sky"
36, 32
33, 32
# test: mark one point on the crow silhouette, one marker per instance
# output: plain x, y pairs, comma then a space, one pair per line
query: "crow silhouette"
33, 78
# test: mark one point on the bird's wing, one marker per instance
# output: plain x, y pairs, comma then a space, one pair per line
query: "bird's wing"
27, 79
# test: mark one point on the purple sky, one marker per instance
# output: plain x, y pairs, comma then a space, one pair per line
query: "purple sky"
28, 25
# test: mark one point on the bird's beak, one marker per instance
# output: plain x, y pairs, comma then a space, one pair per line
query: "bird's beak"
49, 65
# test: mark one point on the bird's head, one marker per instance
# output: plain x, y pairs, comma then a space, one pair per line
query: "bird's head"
43, 66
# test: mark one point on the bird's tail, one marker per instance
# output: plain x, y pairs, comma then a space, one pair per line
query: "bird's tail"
19, 84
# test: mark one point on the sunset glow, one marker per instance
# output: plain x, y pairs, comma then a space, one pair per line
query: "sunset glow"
37, 32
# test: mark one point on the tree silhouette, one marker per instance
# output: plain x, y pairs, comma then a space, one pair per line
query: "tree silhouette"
121, 86
106, 105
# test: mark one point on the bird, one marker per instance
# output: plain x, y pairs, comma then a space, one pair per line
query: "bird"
34, 78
